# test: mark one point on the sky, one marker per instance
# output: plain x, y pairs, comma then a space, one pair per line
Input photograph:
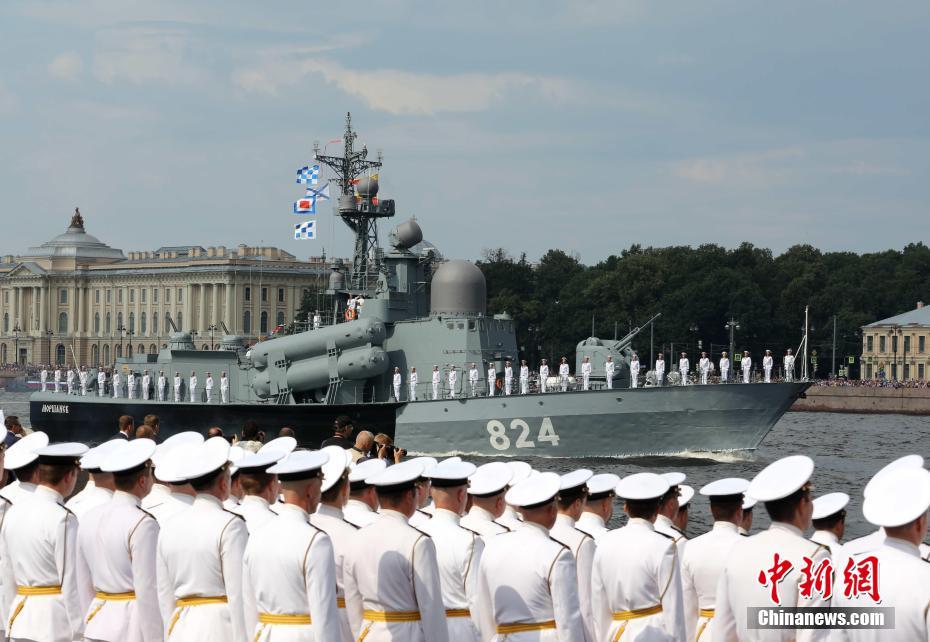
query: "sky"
584, 125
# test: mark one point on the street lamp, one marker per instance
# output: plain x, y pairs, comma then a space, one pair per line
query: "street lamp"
212, 330
121, 329
48, 339
732, 326
129, 333
16, 331
194, 335
693, 329
893, 333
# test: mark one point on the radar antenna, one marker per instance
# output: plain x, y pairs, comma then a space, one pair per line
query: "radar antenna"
362, 218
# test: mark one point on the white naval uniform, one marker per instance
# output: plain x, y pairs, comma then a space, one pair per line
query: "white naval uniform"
585, 375
788, 363
317, 321
701, 566
70, 378
208, 386
683, 367
492, 381
255, 511
43, 377
420, 517
41, 531
177, 389
412, 380
192, 388
634, 373
539, 585
397, 381
4, 506
635, 567
592, 524
739, 587
88, 499
115, 384
508, 380
57, 380
162, 387
482, 522
904, 585
437, 377
453, 380
510, 519
724, 369
200, 556
581, 546
101, 383
358, 513
704, 367
224, 389
524, 380
289, 570
543, 378
131, 385
458, 554
665, 526
116, 556
331, 521
146, 387
473, 381
82, 379
746, 365
660, 371
767, 363
164, 504
563, 376
392, 569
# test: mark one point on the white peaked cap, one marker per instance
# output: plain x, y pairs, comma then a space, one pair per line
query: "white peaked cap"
403, 473
300, 461
898, 498
131, 454
335, 467
686, 494
260, 460
829, 504
748, 503
426, 462
602, 483
235, 454
22, 453
538, 489
490, 479
674, 478
575, 479
201, 459
184, 439
642, 486
519, 470
64, 450
451, 473
727, 486
781, 478
284, 445
451, 459
365, 469
93, 458
908, 461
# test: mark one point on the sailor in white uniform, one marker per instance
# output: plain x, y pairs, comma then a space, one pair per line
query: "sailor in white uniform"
660, 370
329, 518
289, 577
598, 505
171, 494
116, 553
473, 377
564, 374
208, 387
524, 378
685, 493
131, 385
634, 371
200, 555
224, 388
177, 387
40, 595
536, 599
829, 521
453, 381
397, 381
392, 585
492, 379
572, 494
115, 383
99, 488
192, 387
684, 366
437, 379
704, 367
745, 525
510, 518
705, 556
317, 320
767, 363
22, 459
259, 488
788, 364
82, 379
508, 378
146, 385
361, 508
412, 380
486, 489
423, 513
458, 549
724, 367
586, 374
57, 380
784, 486
746, 365
668, 510
609, 369
101, 382
543, 375
898, 504
43, 377
636, 583
70, 379
235, 486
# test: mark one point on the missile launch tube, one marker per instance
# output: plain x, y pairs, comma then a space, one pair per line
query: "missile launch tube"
305, 345
310, 374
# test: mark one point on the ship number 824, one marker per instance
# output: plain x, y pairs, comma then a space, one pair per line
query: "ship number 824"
501, 441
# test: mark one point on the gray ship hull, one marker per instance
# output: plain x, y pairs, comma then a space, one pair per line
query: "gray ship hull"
602, 423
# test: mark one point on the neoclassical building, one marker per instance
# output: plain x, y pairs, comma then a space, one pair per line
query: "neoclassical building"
898, 348
76, 300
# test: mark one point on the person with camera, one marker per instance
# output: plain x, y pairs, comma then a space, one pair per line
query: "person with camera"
385, 449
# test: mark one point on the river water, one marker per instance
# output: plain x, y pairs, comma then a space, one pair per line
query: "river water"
847, 450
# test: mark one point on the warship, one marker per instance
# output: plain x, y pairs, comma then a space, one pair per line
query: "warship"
406, 306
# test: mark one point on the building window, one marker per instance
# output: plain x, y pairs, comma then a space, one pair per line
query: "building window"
167, 295
153, 349
869, 343
60, 354
3, 354
167, 321
868, 371
264, 322
280, 295
132, 295
180, 295
247, 322
119, 297
106, 354
109, 296
94, 354
881, 343
119, 322
119, 352
143, 292
264, 295
62, 296
907, 371
96, 296
920, 371
921, 343
155, 323
63, 323
132, 322
205, 347
180, 322
154, 295
894, 343
248, 294
6, 323
96, 323
907, 343
129, 351
107, 324
280, 320
142, 323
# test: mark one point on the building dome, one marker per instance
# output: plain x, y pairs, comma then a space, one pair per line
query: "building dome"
76, 243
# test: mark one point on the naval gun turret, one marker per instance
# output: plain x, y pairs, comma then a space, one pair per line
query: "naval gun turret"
597, 350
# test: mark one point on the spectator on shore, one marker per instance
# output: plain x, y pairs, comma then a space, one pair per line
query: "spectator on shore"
252, 436
127, 427
215, 431
387, 451
363, 443
14, 430
342, 433
145, 432
153, 422
287, 431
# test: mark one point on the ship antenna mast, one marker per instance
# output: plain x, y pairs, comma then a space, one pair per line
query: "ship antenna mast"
362, 218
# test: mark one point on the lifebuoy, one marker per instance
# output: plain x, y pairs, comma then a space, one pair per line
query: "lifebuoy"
350, 314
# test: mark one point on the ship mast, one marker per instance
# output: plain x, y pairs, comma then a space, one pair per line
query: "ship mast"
362, 218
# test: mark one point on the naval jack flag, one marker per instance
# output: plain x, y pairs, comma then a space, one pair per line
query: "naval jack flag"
305, 231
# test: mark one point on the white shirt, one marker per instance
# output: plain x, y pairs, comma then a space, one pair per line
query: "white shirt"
397, 379
193, 381
684, 365
724, 364
147, 381
330, 520
581, 546
701, 565
412, 379
177, 382
492, 374
101, 378
746, 363
610, 367
524, 372
704, 364
660, 365
563, 370
508, 373
473, 375
789, 360
209, 383
543, 372
116, 554
289, 570
392, 567
767, 362
453, 378
162, 382
586, 367
224, 383
43, 376
437, 376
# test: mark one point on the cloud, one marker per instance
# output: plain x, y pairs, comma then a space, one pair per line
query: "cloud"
66, 66
756, 169
146, 54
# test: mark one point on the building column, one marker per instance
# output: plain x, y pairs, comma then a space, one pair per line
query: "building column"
43, 312
229, 292
202, 311
215, 287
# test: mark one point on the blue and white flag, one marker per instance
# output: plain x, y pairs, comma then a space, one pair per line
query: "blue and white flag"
305, 230
322, 194
309, 175
306, 205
